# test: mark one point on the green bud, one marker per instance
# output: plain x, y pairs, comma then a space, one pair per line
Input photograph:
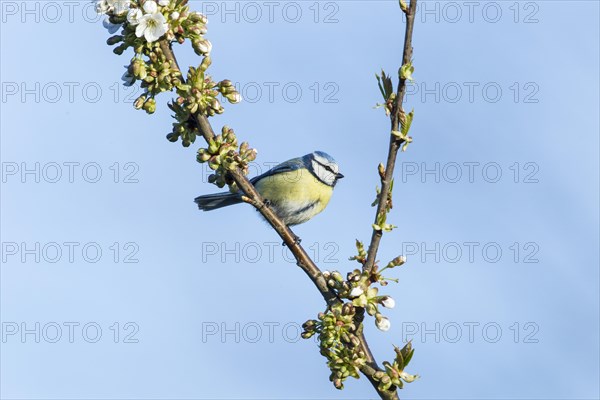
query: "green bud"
114, 40
150, 106
348, 309
205, 63
203, 156
139, 102
337, 276
214, 162
120, 49
307, 335
251, 155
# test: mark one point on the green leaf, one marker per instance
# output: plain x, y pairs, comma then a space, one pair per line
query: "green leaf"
385, 85
406, 121
406, 71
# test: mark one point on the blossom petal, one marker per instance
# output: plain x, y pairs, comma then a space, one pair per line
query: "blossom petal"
150, 6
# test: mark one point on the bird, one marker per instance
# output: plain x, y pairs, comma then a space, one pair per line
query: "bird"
296, 190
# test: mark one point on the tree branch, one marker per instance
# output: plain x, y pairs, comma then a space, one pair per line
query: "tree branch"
395, 142
289, 238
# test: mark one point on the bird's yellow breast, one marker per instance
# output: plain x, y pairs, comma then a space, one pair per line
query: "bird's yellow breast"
296, 196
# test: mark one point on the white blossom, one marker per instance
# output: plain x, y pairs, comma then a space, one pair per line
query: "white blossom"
134, 15
163, 3
152, 26
383, 324
150, 7
388, 302
201, 17
408, 377
116, 7
356, 292
120, 7
174, 15
205, 46
102, 7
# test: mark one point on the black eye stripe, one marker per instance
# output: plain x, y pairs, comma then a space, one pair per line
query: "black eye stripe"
327, 167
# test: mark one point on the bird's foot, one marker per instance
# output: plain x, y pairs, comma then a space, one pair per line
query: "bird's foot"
297, 240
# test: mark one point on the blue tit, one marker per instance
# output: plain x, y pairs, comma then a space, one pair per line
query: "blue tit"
296, 190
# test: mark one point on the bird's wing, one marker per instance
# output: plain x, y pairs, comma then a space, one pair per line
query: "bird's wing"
289, 165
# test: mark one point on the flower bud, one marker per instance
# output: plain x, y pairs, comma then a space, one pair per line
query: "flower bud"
407, 377
114, 40
203, 156
205, 63
150, 106
214, 162
387, 302
139, 102
234, 98
381, 170
337, 276
203, 46
378, 375
250, 155
119, 49
215, 104
382, 323
347, 309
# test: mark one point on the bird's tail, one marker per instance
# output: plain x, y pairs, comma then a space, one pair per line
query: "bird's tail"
213, 201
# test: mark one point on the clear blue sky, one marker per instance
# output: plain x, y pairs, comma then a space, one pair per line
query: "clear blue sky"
496, 202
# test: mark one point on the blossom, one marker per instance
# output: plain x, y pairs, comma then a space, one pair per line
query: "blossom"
388, 302
198, 16
163, 3
112, 28
356, 292
174, 15
204, 46
134, 15
116, 7
119, 6
152, 26
102, 7
383, 324
408, 377
150, 7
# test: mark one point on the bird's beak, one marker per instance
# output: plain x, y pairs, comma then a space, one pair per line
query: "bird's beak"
339, 176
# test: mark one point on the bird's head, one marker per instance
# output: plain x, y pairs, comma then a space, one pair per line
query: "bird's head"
324, 167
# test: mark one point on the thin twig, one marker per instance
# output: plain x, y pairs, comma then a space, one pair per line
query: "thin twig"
395, 142
303, 259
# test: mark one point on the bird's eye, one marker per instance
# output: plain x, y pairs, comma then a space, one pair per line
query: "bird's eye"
328, 168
